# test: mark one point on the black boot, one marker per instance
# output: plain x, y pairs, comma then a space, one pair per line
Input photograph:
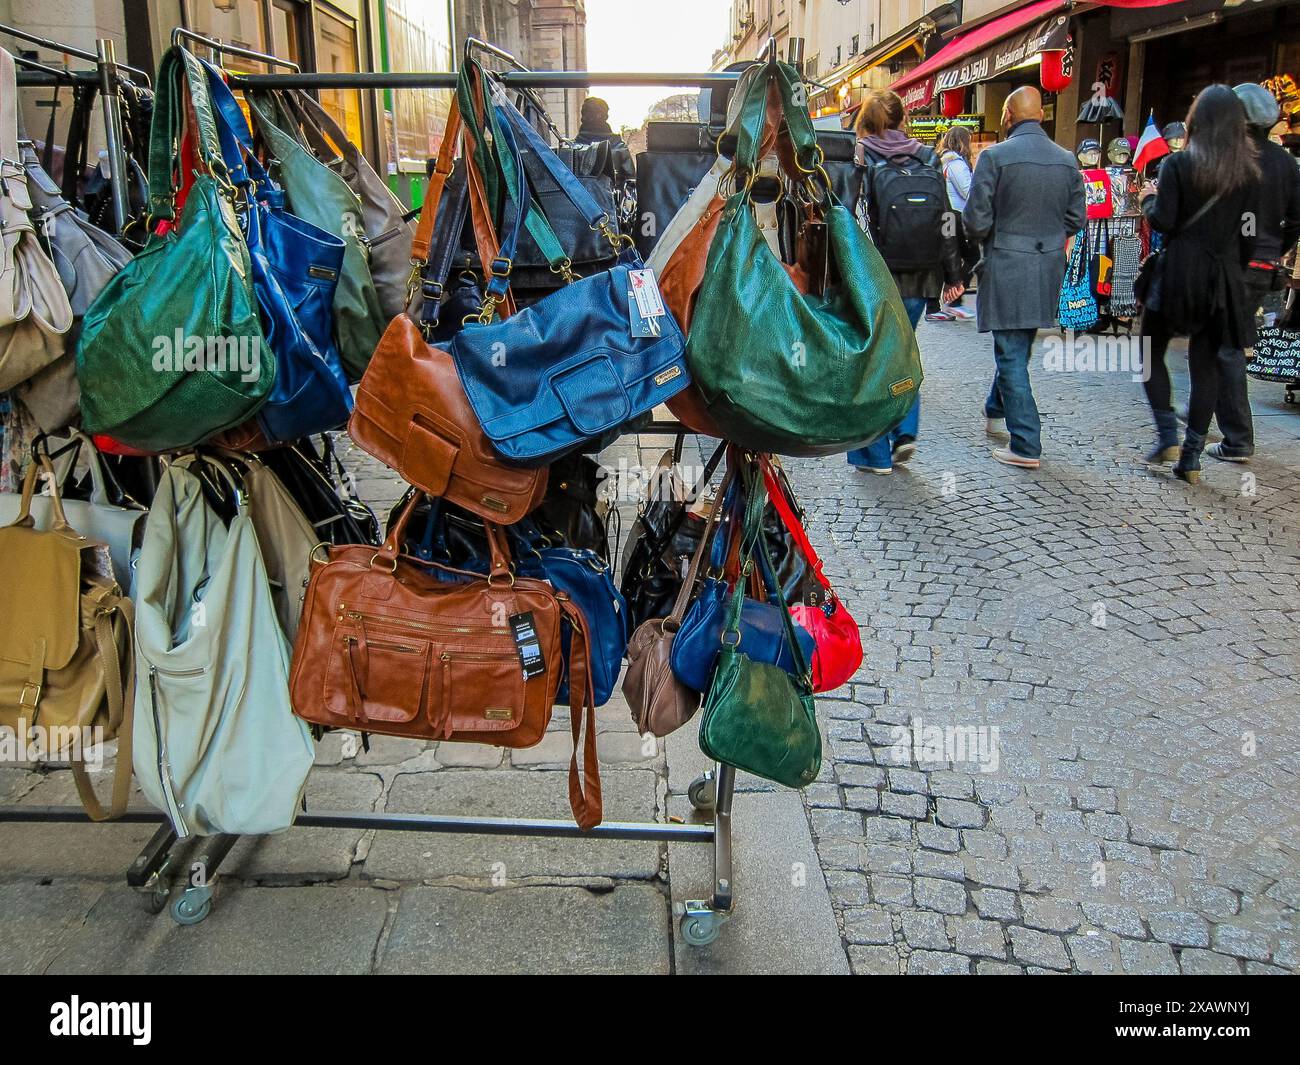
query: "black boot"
1189, 459
1166, 449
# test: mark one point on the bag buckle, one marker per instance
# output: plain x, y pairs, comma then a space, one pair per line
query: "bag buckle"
617, 240
565, 269
35, 696
485, 313
501, 266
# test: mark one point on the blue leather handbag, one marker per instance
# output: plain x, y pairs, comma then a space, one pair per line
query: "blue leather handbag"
586, 579
455, 538
296, 268
579, 362
698, 642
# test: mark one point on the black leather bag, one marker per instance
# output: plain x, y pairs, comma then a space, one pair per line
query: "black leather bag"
570, 513
588, 249
323, 489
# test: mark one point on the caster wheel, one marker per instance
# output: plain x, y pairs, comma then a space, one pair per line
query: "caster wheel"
703, 792
699, 930
193, 906
154, 901
1290, 397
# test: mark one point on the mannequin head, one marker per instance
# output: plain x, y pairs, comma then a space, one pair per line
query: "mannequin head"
1119, 152
1088, 153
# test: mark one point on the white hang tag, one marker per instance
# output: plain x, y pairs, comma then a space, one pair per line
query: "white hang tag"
645, 290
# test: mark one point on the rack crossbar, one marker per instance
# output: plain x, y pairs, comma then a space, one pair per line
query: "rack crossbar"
408, 822
531, 79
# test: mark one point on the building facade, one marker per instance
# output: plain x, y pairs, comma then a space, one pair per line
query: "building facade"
397, 131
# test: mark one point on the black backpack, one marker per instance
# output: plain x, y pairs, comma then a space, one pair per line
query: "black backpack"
906, 203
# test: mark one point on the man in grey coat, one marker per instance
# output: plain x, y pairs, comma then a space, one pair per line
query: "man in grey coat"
1026, 201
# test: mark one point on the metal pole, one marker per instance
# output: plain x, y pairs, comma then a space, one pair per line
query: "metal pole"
107, 61
536, 79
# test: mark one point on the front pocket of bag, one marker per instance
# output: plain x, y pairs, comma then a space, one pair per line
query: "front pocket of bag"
479, 691
383, 678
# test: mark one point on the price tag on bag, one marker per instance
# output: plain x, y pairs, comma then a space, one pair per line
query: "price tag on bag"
645, 304
524, 630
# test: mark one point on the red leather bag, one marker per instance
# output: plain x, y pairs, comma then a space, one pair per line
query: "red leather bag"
839, 643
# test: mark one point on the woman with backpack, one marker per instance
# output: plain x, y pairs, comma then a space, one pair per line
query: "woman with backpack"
1200, 204
956, 157
910, 221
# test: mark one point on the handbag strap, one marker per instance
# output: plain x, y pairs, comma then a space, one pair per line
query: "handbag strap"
236, 140
752, 540
793, 101
180, 79
1200, 213
119, 694
498, 545
9, 157
776, 493
442, 170
42, 464
674, 620
584, 792
562, 177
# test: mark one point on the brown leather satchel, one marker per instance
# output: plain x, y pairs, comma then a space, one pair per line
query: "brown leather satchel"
413, 415
660, 703
386, 646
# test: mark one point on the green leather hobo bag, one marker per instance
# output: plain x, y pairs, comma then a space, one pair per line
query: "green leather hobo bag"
171, 351
784, 371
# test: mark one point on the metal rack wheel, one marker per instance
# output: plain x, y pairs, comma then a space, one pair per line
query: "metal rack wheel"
700, 924
703, 792
154, 897
192, 905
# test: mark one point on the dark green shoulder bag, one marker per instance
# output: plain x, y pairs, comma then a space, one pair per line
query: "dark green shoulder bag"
757, 717
779, 369
171, 350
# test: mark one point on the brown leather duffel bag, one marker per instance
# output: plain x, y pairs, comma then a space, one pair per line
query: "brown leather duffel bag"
385, 646
412, 413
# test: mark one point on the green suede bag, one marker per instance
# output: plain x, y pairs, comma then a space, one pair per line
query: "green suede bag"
784, 371
757, 717
318, 195
171, 350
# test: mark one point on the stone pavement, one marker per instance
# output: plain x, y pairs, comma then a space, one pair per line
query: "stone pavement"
1133, 640
1073, 746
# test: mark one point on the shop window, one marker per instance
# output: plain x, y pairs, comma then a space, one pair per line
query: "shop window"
853, 47
336, 53
287, 27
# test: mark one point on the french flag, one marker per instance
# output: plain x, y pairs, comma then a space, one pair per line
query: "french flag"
1151, 145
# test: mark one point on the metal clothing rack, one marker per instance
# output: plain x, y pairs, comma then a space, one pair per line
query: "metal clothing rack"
106, 71
713, 791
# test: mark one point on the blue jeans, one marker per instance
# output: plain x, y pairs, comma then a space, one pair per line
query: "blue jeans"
1012, 396
879, 453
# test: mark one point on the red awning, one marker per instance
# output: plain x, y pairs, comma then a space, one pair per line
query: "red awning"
970, 43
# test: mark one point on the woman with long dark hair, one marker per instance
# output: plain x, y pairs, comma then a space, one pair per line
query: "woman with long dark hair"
1201, 204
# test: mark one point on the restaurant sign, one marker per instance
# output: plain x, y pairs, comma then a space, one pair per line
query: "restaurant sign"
1049, 35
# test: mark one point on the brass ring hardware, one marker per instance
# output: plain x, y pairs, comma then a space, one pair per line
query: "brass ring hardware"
376, 555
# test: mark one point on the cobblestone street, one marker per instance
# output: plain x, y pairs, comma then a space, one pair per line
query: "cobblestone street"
1074, 745
1133, 641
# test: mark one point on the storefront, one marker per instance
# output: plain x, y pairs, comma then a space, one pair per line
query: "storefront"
971, 76
1187, 46
845, 87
